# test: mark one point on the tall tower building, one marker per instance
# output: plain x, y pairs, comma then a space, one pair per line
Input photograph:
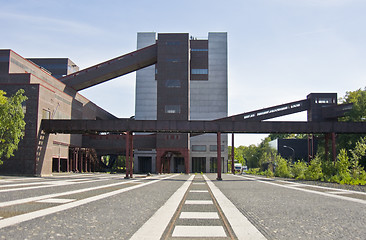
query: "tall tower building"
188, 83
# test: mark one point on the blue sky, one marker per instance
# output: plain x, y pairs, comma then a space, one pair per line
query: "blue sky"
279, 50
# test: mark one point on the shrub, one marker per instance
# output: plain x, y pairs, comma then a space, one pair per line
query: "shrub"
298, 170
282, 169
314, 170
268, 173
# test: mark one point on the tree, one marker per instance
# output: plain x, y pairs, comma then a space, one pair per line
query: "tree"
357, 114
12, 124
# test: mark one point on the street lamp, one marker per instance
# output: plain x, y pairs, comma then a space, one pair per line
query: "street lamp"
293, 151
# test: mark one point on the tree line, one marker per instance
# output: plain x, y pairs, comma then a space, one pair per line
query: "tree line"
351, 152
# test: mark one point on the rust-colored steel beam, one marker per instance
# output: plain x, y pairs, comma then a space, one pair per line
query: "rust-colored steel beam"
270, 112
113, 68
182, 126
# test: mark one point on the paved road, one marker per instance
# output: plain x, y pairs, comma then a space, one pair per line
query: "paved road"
103, 206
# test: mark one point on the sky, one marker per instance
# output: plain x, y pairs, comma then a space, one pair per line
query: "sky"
279, 51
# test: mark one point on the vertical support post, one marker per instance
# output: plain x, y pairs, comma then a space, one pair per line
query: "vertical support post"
186, 160
326, 149
232, 154
127, 154
76, 159
86, 159
81, 160
59, 164
158, 161
131, 154
219, 156
334, 150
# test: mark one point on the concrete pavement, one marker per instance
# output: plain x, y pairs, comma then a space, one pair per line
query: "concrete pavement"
103, 206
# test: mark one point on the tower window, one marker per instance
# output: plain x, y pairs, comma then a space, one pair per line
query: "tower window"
172, 108
199, 71
172, 83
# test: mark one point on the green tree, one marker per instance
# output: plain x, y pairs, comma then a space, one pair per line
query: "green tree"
357, 114
12, 122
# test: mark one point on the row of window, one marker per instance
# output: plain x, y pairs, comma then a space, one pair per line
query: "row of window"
203, 148
172, 108
193, 70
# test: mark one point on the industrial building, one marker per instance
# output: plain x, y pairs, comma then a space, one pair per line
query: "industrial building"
179, 77
189, 84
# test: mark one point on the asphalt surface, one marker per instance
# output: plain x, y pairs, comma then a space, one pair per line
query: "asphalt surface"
103, 206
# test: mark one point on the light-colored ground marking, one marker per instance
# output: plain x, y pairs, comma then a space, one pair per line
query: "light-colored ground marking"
49, 184
299, 188
198, 183
40, 213
199, 215
53, 195
199, 202
56, 200
198, 191
199, 231
155, 226
339, 192
241, 226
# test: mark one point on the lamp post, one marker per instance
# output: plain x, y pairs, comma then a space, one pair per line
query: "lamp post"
293, 151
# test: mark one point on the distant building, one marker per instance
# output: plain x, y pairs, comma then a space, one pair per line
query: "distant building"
294, 149
58, 67
189, 83
48, 98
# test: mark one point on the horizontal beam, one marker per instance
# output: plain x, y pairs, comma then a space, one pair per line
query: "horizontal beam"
111, 69
270, 112
171, 126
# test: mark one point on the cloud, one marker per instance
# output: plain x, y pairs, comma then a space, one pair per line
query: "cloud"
319, 3
52, 24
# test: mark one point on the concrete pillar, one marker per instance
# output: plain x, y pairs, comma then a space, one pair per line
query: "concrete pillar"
232, 154
219, 156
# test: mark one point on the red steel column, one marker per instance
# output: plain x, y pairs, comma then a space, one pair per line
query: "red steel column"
219, 156
232, 154
158, 161
127, 154
131, 155
76, 159
334, 150
326, 146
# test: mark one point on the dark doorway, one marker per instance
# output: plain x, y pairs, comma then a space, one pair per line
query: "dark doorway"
198, 164
179, 165
144, 164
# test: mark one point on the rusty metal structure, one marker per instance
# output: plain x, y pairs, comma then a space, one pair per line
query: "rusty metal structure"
85, 132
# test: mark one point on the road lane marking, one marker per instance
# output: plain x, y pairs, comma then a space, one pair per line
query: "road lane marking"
298, 188
49, 184
44, 212
198, 183
199, 202
339, 192
199, 215
155, 226
199, 231
198, 191
241, 226
53, 195
56, 200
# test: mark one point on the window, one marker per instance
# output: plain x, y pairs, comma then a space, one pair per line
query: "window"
213, 148
199, 71
199, 50
199, 148
172, 109
172, 83
173, 43
173, 60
